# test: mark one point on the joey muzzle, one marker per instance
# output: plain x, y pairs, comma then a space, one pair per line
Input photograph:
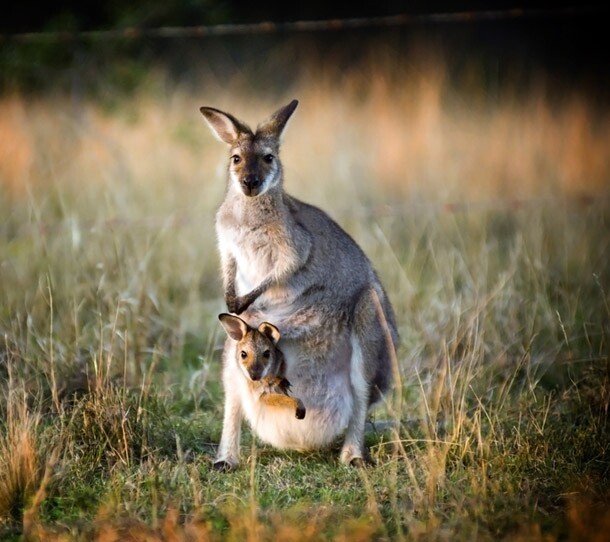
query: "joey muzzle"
255, 373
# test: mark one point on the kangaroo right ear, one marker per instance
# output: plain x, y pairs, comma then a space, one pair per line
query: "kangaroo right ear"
224, 126
235, 327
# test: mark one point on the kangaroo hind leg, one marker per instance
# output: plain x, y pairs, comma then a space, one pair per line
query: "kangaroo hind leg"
370, 371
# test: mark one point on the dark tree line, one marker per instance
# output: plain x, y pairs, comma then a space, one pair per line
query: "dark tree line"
573, 46
79, 15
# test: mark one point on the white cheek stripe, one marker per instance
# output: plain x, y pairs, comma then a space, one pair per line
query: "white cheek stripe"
271, 179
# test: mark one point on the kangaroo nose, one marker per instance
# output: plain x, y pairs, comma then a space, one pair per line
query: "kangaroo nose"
251, 182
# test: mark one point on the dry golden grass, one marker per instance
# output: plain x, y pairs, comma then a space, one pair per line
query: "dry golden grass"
20, 470
471, 208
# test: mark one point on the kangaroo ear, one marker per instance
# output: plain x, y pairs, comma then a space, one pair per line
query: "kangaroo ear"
275, 124
270, 331
224, 126
235, 327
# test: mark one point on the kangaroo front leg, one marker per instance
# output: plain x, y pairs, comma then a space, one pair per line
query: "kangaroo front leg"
238, 304
227, 457
241, 303
286, 262
229, 270
353, 452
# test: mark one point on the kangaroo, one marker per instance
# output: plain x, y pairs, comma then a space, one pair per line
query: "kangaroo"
288, 262
262, 365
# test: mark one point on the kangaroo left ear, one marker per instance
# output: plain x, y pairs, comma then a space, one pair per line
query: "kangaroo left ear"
270, 331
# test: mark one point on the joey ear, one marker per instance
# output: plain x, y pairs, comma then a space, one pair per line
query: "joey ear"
270, 331
277, 122
235, 327
224, 126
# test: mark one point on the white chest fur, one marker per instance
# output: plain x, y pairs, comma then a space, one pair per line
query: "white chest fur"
258, 249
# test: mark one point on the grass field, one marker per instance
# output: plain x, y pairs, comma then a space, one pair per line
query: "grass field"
488, 220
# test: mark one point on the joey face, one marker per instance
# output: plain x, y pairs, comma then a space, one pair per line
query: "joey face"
256, 349
257, 356
254, 165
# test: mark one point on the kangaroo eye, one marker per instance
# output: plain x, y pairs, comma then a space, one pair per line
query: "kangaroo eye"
266, 354
243, 354
236, 159
268, 158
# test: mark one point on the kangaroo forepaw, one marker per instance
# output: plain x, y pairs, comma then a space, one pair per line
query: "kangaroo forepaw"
237, 305
242, 305
300, 413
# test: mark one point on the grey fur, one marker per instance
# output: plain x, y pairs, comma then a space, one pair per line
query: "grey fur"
289, 263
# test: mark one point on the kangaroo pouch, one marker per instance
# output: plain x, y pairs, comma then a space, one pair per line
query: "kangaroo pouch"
327, 396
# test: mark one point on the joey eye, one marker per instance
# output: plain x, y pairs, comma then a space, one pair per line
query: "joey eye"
236, 159
268, 158
243, 354
266, 354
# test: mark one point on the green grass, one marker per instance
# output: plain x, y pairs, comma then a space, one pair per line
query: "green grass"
110, 347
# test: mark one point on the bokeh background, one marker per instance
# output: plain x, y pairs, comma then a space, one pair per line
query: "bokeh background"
466, 148
495, 103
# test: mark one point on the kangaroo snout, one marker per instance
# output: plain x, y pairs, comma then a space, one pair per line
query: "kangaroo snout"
250, 184
251, 181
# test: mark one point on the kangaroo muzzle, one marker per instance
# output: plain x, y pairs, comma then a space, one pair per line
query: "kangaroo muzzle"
251, 184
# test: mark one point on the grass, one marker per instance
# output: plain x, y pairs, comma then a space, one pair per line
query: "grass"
489, 225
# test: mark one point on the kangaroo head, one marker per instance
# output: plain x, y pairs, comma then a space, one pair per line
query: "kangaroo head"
257, 352
254, 164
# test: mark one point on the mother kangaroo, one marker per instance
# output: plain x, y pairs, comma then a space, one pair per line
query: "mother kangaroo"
288, 263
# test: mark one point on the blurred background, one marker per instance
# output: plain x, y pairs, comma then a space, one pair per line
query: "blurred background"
457, 102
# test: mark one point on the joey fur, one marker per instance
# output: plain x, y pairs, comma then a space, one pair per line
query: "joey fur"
262, 362
287, 262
